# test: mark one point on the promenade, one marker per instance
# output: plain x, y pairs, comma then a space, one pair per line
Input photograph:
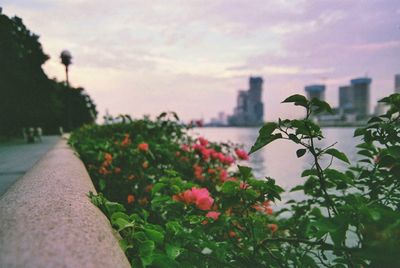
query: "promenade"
17, 157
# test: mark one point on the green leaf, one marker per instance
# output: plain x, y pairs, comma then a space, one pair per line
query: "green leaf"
265, 136
122, 224
297, 188
309, 172
339, 155
320, 106
163, 261
245, 171
359, 132
112, 207
102, 184
173, 251
146, 248
301, 152
337, 176
299, 100
230, 187
157, 187
117, 215
154, 235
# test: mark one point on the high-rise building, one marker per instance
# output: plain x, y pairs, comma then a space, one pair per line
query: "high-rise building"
315, 91
360, 96
249, 108
345, 99
397, 83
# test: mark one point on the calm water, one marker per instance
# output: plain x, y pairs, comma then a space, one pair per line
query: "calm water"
278, 160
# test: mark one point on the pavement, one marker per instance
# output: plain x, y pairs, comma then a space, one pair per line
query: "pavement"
17, 157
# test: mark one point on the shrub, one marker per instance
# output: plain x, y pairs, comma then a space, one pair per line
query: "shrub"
177, 202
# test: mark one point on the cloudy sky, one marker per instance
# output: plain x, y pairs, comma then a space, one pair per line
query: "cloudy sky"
192, 56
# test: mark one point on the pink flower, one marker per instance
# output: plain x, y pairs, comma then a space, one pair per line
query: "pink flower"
213, 215
223, 175
221, 157
200, 192
244, 185
189, 197
185, 148
229, 179
204, 203
228, 160
203, 141
197, 147
242, 154
205, 152
144, 147
201, 197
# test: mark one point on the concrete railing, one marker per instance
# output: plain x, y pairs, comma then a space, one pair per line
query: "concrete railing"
47, 220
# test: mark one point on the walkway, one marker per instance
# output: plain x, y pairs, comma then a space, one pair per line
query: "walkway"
17, 157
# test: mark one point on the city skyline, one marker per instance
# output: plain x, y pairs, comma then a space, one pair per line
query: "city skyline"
193, 57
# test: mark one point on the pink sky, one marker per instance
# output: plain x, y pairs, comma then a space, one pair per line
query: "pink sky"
192, 56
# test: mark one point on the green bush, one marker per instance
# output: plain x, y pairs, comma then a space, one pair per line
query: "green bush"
177, 202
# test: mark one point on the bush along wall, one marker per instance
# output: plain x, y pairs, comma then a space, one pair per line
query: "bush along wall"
177, 203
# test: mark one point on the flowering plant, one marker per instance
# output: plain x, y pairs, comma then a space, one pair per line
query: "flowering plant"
176, 202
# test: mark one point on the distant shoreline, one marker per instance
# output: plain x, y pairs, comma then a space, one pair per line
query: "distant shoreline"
321, 124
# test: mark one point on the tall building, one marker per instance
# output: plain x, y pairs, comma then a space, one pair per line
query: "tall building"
345, 99
315, 91
360, 96
397, 83
249, 108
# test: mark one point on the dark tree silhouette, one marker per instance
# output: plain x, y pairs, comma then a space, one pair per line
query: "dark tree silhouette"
28, 98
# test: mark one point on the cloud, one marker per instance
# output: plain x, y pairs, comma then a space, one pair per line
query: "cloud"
139, 57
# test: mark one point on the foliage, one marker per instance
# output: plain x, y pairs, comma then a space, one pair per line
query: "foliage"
172, 197
177, 202
28, 98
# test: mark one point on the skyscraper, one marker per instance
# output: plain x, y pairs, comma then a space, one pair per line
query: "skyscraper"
360, 96
249, 108
345, 99
397, 83
315, 91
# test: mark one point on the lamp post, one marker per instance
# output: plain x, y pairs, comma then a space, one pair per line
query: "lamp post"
66, 59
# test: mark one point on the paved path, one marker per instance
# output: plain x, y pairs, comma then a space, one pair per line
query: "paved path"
17, 157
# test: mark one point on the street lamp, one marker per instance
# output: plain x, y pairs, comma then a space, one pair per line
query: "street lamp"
66, 59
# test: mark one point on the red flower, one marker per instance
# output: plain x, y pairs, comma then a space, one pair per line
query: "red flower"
273, 227
185, 148
223, 174
130, 198
242, 154
126, 141
143, 201
144, 147
198, 172
232, 234
145, 165
188, 197
131, 177
213, 214
203, 141
108, 157
244, 185
228, 160
204, 203
117, 170
148, 188
200, 197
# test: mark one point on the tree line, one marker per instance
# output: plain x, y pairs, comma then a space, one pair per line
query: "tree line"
28, 98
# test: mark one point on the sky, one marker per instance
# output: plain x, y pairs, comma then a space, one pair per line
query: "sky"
192, 56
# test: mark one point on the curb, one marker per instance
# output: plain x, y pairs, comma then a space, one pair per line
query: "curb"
47, 220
